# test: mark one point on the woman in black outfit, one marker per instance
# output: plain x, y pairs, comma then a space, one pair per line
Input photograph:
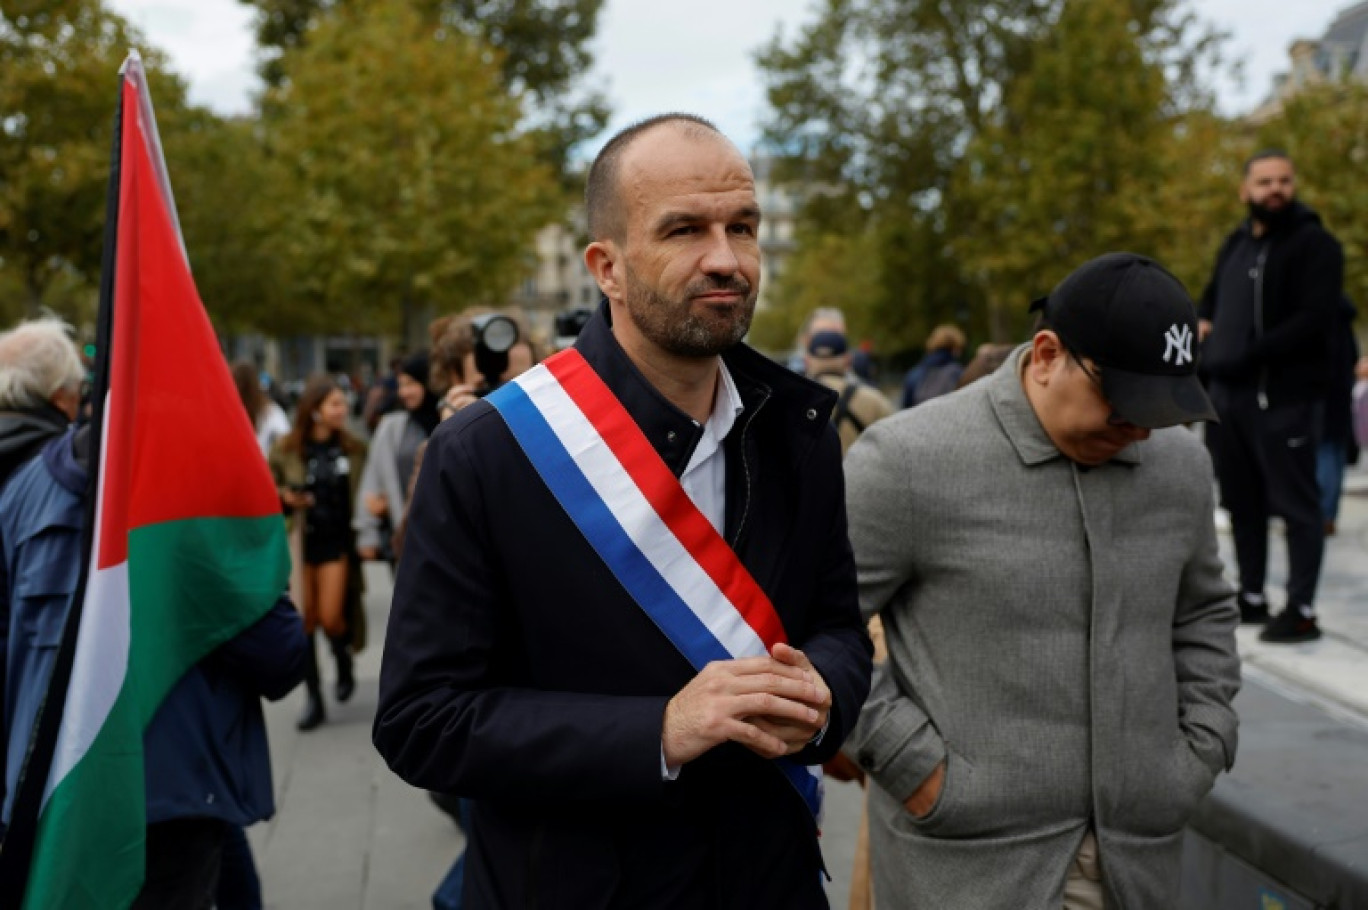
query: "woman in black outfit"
317, 468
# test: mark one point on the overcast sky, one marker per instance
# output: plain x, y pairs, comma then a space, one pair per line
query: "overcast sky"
653, 57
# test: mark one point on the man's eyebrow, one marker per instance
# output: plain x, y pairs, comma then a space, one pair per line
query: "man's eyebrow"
747, 213
671, 220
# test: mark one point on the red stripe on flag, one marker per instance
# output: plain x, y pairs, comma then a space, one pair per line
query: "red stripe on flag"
665, 494
178, 444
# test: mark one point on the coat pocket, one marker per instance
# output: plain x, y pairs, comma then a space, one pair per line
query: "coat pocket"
1162, 792
958, 780
41, 596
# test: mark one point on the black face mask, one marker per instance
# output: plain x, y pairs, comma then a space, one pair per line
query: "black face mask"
1271, 219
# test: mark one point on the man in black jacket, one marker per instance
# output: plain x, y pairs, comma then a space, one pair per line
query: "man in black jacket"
523, 666
1267, 322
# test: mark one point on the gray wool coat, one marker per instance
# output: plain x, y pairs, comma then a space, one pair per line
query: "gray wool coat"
382, 476
1062, 637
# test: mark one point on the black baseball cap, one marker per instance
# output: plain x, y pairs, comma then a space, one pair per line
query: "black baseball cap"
1138, 324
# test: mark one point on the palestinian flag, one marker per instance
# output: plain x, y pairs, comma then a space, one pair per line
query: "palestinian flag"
188, 545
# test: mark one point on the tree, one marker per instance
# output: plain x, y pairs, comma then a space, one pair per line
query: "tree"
1069, 166
951, 124
544, 47
834, 273
880, 98
59, 65
1197, 202
411, 187
233, 203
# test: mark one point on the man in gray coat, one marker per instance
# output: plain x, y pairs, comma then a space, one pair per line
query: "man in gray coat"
1061, 641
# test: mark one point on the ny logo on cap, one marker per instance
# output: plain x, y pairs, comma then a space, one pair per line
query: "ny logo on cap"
1178, 340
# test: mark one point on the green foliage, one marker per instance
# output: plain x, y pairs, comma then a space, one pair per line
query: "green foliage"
1069, 166
59, 83
989, 147
1197, 202
232, 203
543, 44
407, 185
1325, 130
834, 273
391, 170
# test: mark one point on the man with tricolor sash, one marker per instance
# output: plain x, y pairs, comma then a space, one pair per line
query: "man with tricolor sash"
625, 624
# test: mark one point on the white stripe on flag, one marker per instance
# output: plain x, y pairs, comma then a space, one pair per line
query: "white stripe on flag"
102, 646
638, 517
97, 676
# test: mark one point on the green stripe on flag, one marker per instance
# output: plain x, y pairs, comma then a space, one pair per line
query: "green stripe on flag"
194, 584
89, 852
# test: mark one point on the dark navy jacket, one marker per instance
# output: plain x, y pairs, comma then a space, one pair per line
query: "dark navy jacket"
205, 748
519, 673
939, 359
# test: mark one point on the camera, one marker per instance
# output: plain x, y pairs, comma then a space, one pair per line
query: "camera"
495, 335
569, 323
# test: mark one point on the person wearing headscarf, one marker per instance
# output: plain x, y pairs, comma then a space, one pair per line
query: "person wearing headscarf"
394, 448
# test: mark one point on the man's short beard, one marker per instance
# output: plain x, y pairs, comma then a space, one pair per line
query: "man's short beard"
1270, 218
673, 327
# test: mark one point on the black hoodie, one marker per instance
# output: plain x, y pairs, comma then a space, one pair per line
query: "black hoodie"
23, 433
1272, 301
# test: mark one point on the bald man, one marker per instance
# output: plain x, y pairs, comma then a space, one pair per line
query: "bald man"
625, 623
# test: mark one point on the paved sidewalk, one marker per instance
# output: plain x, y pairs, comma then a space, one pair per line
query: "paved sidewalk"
347, 834
1331, 672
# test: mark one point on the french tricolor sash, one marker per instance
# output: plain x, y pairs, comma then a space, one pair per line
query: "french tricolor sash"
636, 515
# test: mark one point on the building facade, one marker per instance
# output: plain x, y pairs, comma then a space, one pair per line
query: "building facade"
1342, 52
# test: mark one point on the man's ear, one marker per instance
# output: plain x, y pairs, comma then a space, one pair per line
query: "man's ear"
602, 258
1046, 351
66, 400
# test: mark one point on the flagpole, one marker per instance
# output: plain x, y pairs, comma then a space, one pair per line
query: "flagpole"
16, 850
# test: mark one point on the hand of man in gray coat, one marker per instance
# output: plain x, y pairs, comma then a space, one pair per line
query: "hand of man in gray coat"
923, 799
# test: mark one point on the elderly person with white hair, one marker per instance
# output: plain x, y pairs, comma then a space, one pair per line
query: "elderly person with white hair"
40, 388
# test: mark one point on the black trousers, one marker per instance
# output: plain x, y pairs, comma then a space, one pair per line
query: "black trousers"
183, 859
1266, 464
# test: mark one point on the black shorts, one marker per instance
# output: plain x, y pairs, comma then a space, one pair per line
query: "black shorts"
321, 546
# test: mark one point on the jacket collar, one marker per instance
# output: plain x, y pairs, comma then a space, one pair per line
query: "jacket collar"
66, 458
1019, 421
1299, 215
21, 431
673, 433
939, 357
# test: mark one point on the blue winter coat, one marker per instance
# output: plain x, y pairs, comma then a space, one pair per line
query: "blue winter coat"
205, 749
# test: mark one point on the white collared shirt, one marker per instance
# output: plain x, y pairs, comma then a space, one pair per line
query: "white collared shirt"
705, 476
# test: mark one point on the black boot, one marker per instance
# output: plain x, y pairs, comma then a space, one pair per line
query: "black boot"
346, 683
312, 715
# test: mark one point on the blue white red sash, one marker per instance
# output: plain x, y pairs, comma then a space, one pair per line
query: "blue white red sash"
635, 514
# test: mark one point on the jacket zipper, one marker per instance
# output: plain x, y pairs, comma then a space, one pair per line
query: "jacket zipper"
745, 470
1259, 321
